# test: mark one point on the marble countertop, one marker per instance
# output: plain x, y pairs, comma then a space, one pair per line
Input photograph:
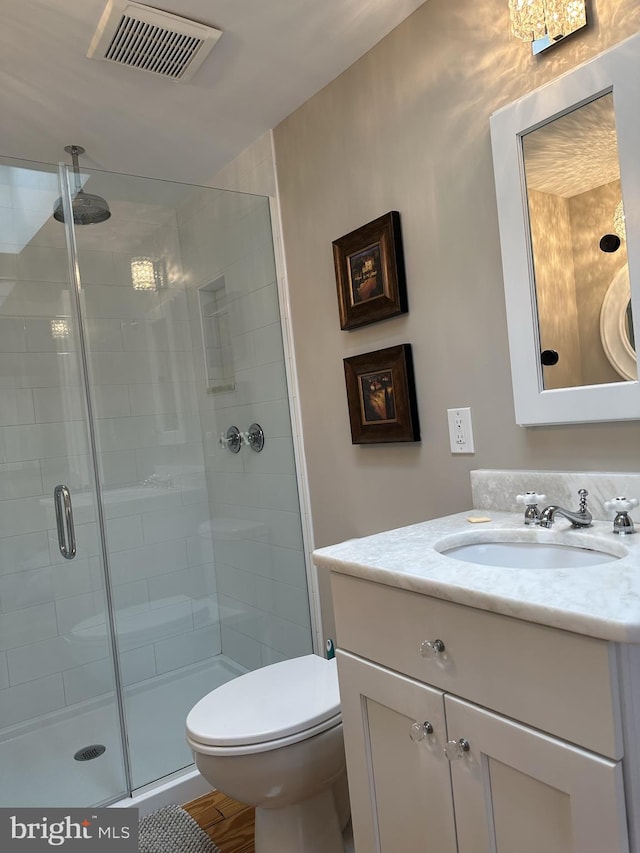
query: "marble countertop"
599, 601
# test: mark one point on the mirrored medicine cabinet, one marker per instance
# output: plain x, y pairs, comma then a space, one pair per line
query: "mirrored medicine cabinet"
567, 175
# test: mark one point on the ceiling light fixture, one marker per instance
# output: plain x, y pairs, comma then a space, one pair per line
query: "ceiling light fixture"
532, 20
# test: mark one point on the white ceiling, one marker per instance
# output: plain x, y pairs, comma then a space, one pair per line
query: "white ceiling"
273, 55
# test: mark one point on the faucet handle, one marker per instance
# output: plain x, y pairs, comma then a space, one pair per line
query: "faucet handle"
531, 500
621, 504
622, 524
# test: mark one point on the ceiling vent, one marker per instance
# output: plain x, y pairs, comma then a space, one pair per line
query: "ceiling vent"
151, 40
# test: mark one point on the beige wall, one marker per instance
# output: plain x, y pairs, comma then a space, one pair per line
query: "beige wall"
407, 128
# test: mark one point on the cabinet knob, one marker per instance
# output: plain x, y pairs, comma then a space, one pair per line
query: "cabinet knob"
419, 731
431, 648
455, 749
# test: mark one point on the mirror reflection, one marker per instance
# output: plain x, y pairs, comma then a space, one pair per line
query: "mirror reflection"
578, 242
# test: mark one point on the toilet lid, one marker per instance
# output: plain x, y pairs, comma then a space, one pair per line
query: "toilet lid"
274, 702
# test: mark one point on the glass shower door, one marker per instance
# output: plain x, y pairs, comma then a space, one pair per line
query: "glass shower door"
205, 555
60, 724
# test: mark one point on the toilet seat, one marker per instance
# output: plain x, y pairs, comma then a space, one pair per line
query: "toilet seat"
271, 707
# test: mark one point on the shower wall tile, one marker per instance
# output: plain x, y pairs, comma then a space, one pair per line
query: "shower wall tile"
206, 611
111, 401
40, 338
16, 406
150, 459
183, 582
104, 334
174, 524
126, 433
294, 639
39, 441
107, 301
58, 404
159, 397
38, 370
72, 471
71, 611
268, 466
12, 333
130, 594
137, 665
25, 589
51, 656
143, 337
28, 551
29, 700
37, 263
268, 343
35, 299
27, 626
236, 584
71, 578
137, 626
199, 550
288, 566
187, 648
118, 467
240, 648
88, 681
4, 672
124, 533
8, 265
292, 604
22, 515
20, 480
96, 267
150, 560
269, 656
121, 368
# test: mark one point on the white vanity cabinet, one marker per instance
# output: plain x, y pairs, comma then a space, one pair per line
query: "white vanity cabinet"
529, 716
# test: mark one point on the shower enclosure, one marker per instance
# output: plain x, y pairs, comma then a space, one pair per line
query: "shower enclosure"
142, 561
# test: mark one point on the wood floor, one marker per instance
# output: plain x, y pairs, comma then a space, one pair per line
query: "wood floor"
229, 824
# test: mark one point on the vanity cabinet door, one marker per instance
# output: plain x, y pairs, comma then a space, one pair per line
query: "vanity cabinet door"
400, 787
517, 789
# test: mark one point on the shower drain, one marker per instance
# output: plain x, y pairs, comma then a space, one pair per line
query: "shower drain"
89, 752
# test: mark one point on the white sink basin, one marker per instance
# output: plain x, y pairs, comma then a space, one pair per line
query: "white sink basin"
506, 549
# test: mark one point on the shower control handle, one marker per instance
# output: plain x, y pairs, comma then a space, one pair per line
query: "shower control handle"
64, 522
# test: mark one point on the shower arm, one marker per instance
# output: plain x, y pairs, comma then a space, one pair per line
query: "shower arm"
75, 150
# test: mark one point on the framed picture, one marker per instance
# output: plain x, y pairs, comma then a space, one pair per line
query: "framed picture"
370, 277
381, 396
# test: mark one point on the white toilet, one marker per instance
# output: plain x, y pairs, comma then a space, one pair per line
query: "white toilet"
273, 739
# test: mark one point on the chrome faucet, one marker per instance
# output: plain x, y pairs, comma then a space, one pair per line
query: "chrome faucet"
581, 518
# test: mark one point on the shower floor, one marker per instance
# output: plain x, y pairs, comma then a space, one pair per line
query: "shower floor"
43, 771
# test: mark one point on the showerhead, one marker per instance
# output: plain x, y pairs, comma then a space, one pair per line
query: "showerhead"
88, 209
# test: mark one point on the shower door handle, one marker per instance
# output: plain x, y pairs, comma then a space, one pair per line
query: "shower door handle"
64, 522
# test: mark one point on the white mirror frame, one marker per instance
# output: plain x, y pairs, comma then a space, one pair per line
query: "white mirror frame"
616, 70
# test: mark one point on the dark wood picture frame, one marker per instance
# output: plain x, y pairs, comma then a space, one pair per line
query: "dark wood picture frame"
370, 276
381, 396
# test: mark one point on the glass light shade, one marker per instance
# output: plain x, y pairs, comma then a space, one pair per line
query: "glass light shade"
535, 19
563, 17
60, 328
527, 19
143, 274
618, 221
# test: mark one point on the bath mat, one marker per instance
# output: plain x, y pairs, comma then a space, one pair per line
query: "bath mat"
172, 830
